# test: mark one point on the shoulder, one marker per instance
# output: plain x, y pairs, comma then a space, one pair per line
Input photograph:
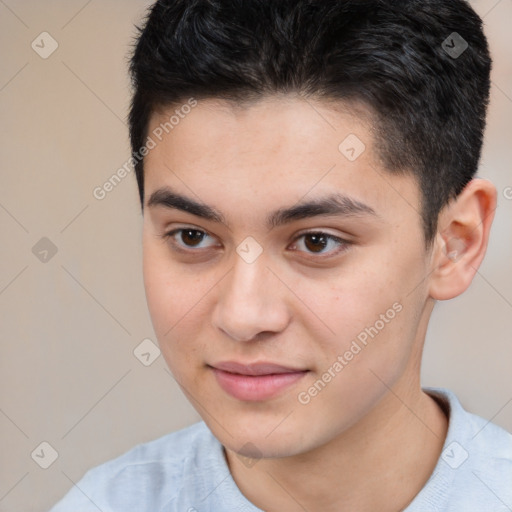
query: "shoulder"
485, 474
147, 476
472, 438
474, 471
171, 448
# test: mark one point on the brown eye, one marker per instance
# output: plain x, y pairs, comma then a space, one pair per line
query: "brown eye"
183, 239
191, 237
315, 242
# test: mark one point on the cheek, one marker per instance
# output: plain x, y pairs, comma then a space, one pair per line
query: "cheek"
160, 289
177, 302
356, 302
169, 288
372, 319
166, 293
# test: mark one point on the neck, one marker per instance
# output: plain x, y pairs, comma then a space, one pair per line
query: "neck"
380, 463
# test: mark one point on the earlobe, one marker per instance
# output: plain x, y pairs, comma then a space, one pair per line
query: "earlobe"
462, 238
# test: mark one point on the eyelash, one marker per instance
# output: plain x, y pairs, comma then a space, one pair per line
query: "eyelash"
343, 243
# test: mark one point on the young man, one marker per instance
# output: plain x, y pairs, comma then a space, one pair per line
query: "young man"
306, 172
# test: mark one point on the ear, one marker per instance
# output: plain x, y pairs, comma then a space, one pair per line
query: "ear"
461, 240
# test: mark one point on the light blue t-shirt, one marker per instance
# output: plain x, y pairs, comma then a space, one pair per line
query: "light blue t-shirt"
186, 471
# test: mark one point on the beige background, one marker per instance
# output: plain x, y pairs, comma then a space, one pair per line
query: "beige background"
69, 326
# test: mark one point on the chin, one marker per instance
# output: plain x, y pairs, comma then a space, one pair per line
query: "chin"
257, 438
261, 448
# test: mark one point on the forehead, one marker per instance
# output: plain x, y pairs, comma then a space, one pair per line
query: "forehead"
273, 152
268, 129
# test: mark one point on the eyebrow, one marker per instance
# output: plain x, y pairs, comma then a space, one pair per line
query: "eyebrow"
336, 204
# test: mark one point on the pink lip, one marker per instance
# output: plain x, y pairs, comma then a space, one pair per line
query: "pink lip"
257, 381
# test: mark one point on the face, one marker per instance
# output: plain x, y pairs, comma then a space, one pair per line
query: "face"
281, 321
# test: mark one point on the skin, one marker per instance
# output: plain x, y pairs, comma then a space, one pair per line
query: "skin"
370, 439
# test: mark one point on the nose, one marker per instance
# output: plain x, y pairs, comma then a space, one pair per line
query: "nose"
251, 301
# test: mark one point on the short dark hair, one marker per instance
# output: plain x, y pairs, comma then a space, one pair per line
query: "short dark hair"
399, 58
